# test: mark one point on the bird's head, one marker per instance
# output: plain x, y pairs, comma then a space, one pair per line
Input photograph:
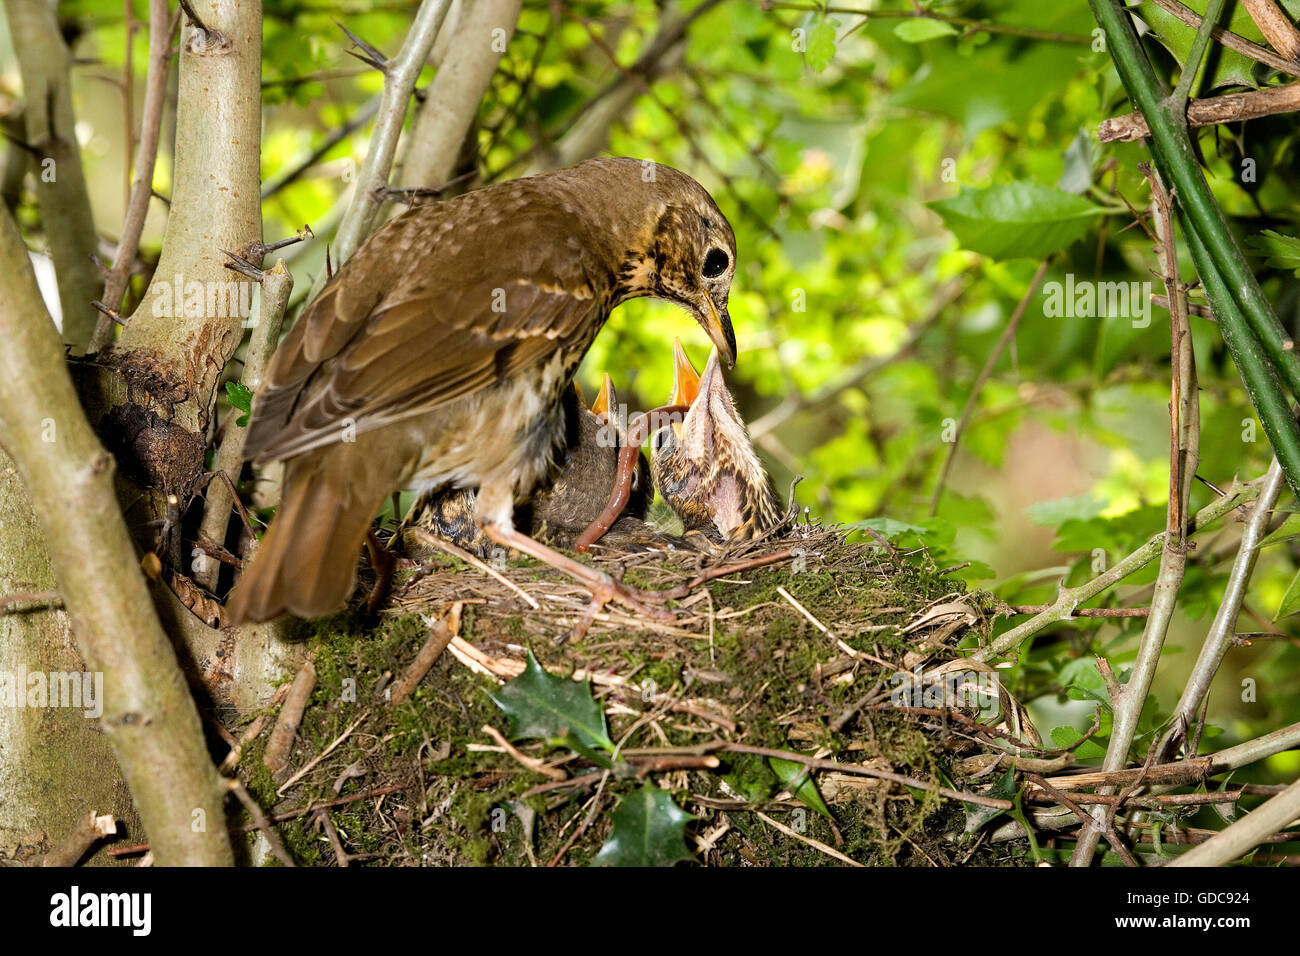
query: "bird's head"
677, 246
705, 467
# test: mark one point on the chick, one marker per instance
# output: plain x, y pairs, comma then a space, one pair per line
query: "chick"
705, 468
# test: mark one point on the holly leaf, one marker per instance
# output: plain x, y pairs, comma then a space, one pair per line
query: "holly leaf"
821, 44
797, 779
1016, 220
240, 397
649, 830
1226, 67
556, 709
977, 816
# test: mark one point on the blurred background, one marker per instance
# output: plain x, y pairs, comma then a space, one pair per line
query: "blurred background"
864, 323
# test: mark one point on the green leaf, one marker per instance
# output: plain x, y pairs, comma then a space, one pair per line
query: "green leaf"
1226, 67
797, 779
240, 397
821, 43
553, 708
1052, 513
649, 830
1290, 600
1279, 251
1016, 220
920, 29
1067, 736
1288, 529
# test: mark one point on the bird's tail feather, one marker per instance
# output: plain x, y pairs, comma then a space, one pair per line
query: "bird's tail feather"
306, 564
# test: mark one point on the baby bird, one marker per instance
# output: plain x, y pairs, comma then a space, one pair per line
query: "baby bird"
563, 505
705, 468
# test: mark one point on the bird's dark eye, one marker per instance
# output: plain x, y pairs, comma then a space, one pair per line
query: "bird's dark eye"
715, 263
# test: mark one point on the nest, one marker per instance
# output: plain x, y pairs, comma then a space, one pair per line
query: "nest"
788, 656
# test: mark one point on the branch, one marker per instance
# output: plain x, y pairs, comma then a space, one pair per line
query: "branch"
1229, 108
149, 717
1219, 638
1276, 27
161, 27
400, 75
44, 62
452, 100
1247, 833
1233, 290
1069, 598
1184, 456
1232, 41
277, 284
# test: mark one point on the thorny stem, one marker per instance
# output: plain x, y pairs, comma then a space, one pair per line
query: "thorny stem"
399, 84
1219, 637
1070, 598
1184, 456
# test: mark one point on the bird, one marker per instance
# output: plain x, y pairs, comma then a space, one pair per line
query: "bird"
705, 467
563, 504
438, 355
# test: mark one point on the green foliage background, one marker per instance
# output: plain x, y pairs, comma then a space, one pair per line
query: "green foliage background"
842, 149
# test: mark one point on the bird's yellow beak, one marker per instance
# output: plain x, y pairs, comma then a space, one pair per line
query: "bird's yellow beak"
686, 381
606, 400
718, 326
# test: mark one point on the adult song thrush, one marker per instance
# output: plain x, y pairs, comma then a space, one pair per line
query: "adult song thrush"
705, 468
438, 355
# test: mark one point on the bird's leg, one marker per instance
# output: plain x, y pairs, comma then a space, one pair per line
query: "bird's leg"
604, 589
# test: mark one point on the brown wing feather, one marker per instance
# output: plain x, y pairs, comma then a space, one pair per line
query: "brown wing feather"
431, 334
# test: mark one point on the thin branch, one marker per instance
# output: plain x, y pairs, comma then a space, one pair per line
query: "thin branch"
1276, 27
1007, 335
1211, 111
1068, 599
161, 27
451, 103
1247, 833
1231, 40
1219, 637
276, 286
148, 717
400, 75
1184, 456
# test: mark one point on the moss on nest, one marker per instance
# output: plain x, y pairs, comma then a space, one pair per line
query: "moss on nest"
741, 663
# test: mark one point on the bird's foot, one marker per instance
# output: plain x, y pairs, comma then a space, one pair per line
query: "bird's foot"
604, 589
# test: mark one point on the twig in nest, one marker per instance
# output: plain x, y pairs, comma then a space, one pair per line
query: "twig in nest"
323, 754
440, 635
276, 757
465, 556
815, 844
1105, 824
532, 763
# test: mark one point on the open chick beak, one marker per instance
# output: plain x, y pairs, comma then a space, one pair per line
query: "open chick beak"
718, 326
686, 381
606, 399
